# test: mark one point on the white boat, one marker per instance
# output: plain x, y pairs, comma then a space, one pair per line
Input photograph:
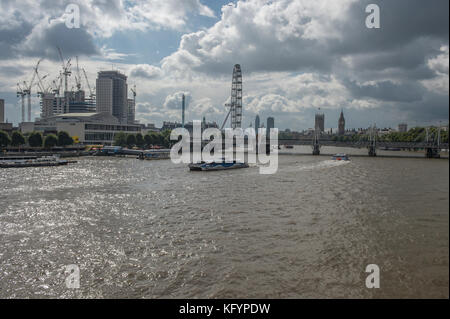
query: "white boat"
33, 162
216, 166
340, 157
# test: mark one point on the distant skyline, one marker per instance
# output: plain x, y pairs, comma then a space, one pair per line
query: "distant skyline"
296, 57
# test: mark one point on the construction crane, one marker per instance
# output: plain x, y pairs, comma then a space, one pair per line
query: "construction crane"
57, 85
78, 77
27, 89
21, 93
133, 89
66, 69
92, 95
40, 84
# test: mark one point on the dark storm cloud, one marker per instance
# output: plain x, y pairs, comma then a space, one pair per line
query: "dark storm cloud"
387, 91
43, 43
408, 61
411, 32
11, 71
431, 109
21, 41
402, 21
12, 34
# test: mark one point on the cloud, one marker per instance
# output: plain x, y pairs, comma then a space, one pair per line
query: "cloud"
45, 38
145, 71
171, 14
296, 56
28, 32
173, 101
440, 65
387, 91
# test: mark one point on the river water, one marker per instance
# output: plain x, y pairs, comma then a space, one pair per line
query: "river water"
152, 229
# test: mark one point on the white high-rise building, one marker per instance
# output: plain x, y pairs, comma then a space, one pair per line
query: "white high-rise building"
112, 94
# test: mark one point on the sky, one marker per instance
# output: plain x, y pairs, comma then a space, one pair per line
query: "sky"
298, 57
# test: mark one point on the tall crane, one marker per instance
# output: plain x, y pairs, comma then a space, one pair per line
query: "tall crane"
21, 93
27, 89
78, 77
40, 84
66, 69
92, 95
133, 89
57, 85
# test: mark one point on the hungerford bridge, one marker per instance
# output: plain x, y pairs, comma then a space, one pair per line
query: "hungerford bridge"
432, 144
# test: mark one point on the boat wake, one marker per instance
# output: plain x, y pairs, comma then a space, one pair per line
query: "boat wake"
323, 165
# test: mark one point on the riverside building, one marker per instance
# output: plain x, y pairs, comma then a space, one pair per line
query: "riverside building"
89, 128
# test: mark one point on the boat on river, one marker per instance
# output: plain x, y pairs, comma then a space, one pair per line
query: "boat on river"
216, 166
154, 155
340, 157
32, 162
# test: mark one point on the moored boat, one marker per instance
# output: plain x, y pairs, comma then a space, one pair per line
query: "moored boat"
154, 155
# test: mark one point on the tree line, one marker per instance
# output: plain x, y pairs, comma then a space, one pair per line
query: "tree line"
151, 139
416, 134
35, 139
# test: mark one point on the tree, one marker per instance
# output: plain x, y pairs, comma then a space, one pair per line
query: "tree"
148, 140
131, 140
4, 139
50, 141
17, 139
35, 139
64, 139
140, 140
120, 139
166, 141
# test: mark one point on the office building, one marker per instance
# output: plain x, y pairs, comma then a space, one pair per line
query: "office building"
89, 128
112, 94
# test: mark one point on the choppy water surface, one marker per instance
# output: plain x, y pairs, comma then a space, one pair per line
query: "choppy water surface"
152, 229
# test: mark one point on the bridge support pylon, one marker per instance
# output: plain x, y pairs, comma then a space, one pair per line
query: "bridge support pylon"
432, 152
316, 149
316, 143
373, 132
